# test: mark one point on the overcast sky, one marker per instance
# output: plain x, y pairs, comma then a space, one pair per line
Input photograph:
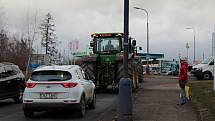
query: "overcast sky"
77, 19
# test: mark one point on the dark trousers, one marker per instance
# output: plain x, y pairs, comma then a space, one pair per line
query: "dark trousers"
183, 98
182, 84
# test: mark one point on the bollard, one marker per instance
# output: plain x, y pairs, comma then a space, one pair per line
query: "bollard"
125, 100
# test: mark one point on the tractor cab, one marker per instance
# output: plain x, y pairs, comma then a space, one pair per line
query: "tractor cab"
112, 43
105, 43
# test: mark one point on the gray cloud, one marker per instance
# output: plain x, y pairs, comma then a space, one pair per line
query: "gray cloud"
77, 19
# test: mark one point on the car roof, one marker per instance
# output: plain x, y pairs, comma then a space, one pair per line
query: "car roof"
68, 68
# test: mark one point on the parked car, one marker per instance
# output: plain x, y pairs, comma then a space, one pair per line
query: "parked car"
155, 70
58, 87
204, 70
173, 72
11, 82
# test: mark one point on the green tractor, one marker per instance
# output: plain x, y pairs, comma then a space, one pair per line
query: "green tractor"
105, 65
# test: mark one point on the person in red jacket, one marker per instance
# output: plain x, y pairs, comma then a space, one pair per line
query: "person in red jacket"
183, 79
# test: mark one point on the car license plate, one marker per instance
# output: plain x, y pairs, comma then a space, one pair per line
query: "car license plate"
48, 96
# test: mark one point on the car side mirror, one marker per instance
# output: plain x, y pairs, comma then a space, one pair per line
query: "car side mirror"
134, 43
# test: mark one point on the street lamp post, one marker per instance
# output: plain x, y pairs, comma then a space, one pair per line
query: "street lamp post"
194, 44
187, 46
147, 36
147, 26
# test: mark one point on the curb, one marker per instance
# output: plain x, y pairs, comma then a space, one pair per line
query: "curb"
160, 76
202, 112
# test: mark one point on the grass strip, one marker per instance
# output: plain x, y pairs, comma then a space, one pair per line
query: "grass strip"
204, 98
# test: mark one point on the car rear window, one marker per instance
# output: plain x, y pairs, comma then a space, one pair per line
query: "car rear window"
50, 76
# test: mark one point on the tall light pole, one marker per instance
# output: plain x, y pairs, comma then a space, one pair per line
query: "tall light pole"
194, 44
187, 46
125, 84
147, 26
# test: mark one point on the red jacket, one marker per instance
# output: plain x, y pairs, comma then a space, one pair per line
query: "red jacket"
183, 76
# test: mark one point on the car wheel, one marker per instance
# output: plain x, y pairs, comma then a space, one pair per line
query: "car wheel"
92, 104
19, 97
82, 107
28, 113
207, 75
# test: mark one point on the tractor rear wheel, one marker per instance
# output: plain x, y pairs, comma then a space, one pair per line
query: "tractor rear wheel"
89, 68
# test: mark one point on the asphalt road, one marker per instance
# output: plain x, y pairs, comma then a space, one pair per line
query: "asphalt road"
13, 112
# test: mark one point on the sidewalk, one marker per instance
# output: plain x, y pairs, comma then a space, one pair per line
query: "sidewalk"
157, 99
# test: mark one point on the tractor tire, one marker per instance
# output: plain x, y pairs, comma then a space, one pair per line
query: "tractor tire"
140, 72
120, 71
89, 68
132, 73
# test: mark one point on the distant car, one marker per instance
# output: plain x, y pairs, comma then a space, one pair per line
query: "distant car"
12, 82
155, 70
58, 87
204, 70
173, 73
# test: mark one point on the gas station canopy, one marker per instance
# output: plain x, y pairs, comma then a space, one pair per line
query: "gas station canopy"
145, 56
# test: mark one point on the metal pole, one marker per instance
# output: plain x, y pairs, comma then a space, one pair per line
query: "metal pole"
213, 48
126, 34
147, 26
194, 40
187, 46
147, 37
125, 85
213, 54
187, 53
194, 45
213, 37
147, 31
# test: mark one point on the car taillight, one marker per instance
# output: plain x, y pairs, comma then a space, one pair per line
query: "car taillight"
69, 85
30, 85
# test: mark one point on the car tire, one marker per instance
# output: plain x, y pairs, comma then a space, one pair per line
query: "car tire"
207, 75
28, 113
92, 104
19, 98
82, 107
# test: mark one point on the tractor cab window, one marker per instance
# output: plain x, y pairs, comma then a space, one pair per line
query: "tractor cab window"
107, 44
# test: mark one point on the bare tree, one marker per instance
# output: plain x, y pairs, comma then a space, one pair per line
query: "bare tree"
49, 38
4, 40
14, 49
1, 16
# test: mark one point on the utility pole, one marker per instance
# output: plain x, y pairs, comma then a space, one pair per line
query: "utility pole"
125, 84
147, 36
194, 44
213, 54
213, 44
187, 46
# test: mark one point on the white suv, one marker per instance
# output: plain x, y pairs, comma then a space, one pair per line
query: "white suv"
58, 87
